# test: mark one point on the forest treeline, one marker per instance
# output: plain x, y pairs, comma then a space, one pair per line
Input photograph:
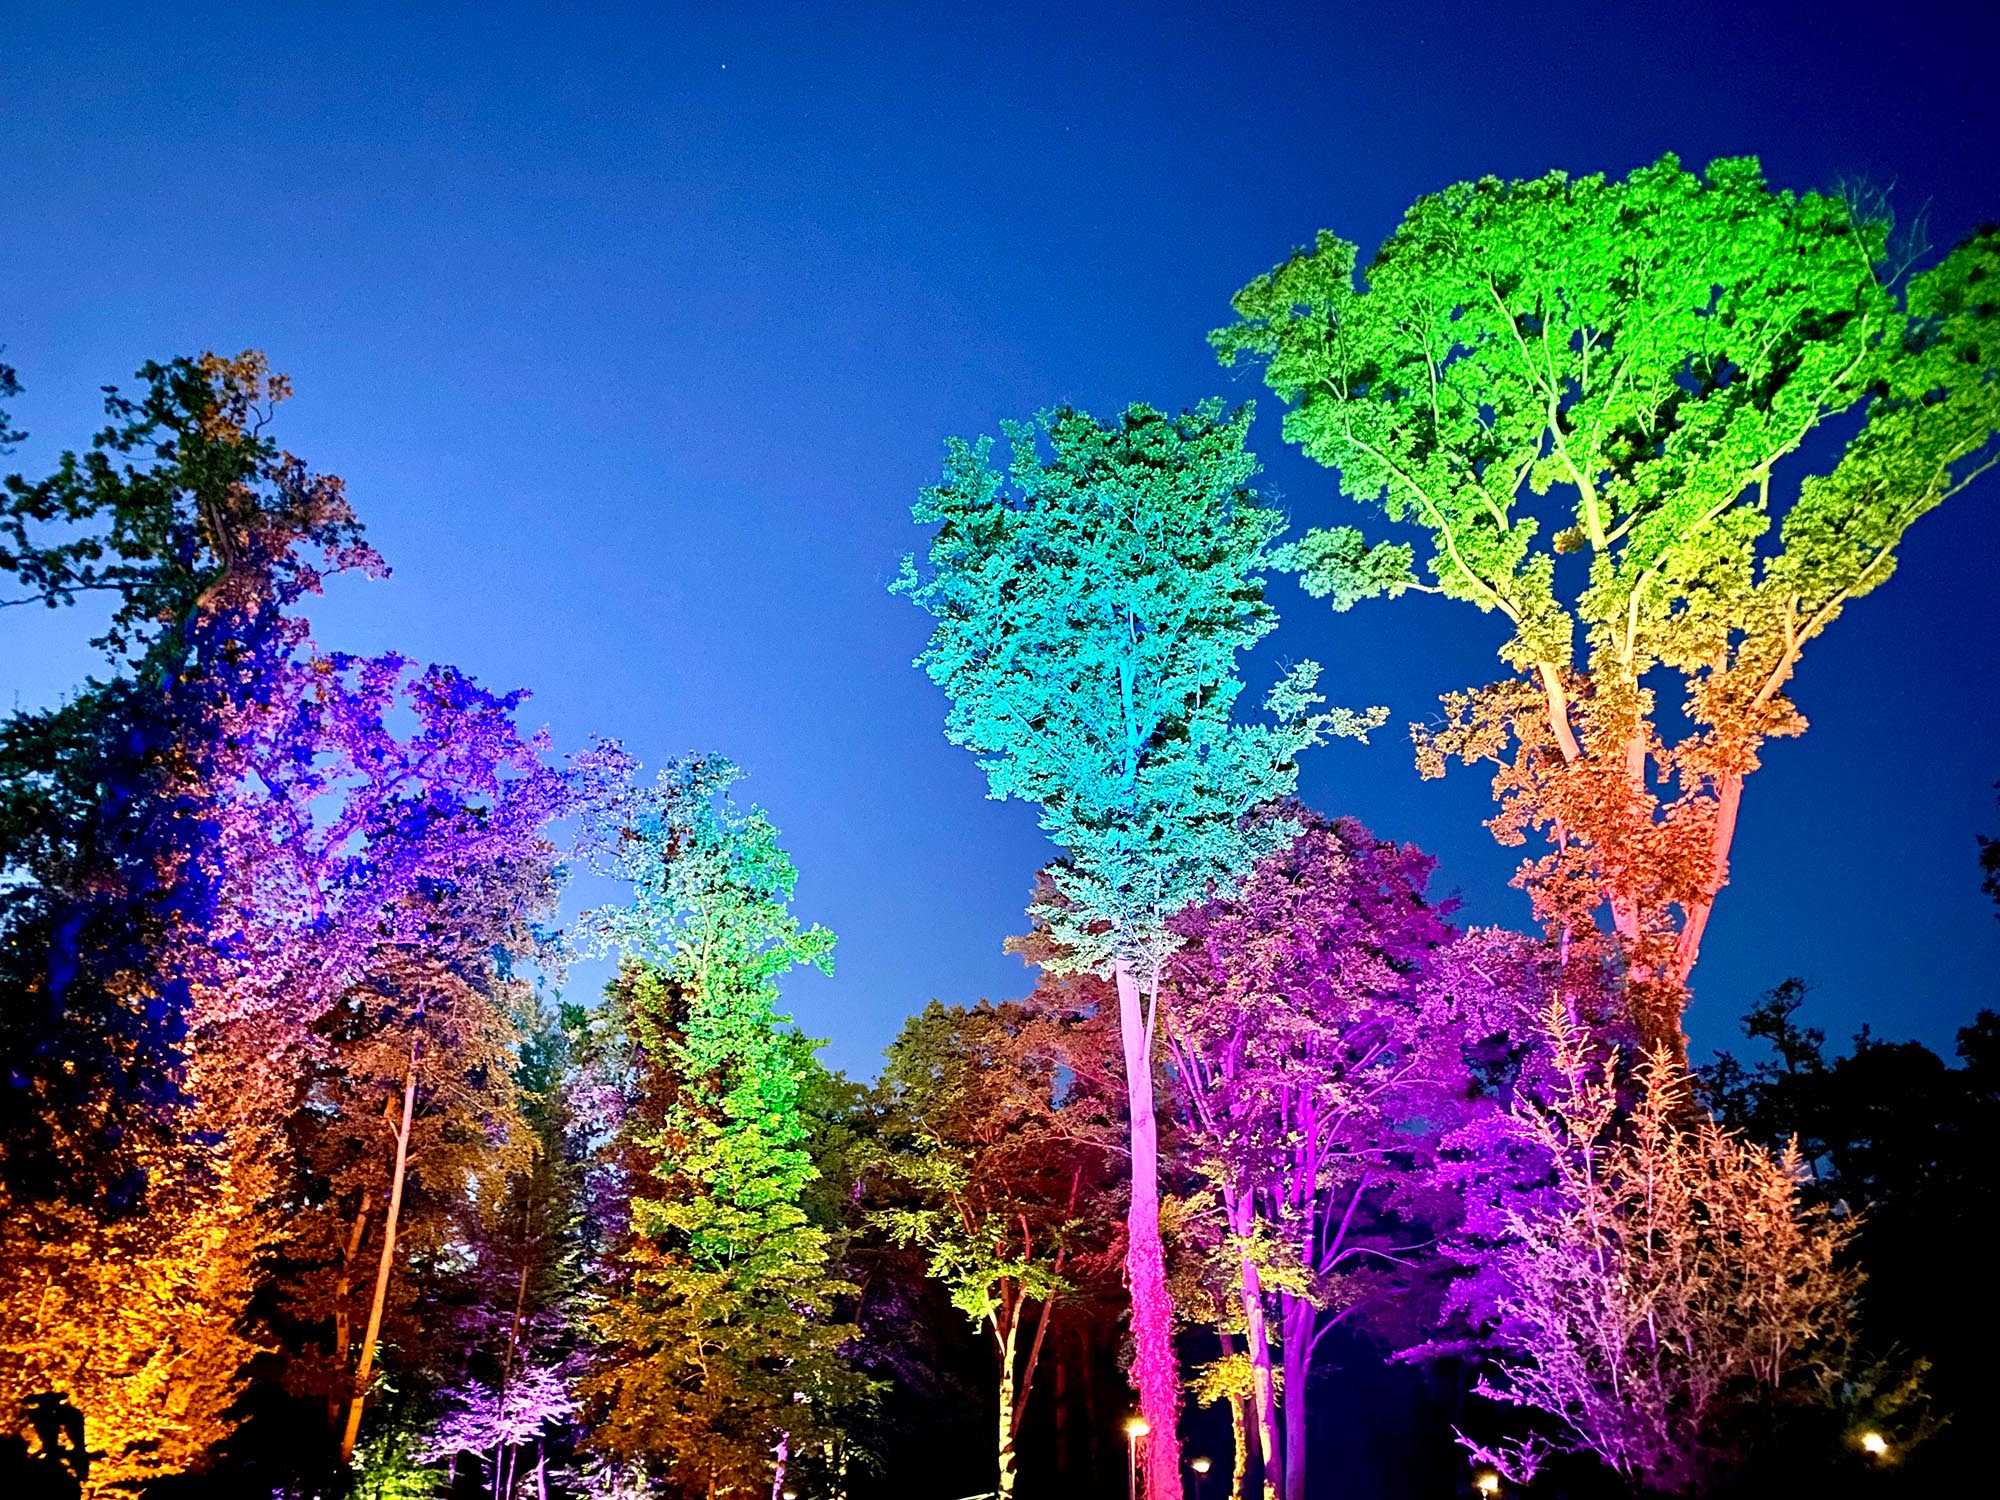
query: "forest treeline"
319, 1180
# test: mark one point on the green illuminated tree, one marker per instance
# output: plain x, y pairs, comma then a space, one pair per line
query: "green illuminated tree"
1090, 605
1616, 371
719, 1362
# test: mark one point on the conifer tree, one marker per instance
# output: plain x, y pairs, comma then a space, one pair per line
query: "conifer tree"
719, 1362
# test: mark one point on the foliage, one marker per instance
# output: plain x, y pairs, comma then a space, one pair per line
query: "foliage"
1002, 1152
213, 516
1319, 1069
1654, 349
1895, 1133
1090, 607
719, 1352
1669, 1285
139, 1122
217, 851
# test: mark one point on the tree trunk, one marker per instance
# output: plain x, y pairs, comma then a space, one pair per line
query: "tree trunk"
1257, 1340
784, 1451
1298, 1331
1005, 1488
1239, 1430
1156, 1370
366, 1366
343, 1329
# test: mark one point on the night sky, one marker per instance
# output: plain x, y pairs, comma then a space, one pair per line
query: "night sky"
635, 331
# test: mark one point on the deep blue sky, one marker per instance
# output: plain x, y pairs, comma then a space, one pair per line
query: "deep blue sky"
636, 329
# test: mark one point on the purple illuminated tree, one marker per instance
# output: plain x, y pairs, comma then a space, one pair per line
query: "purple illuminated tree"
1318, 1067
1090, 606
1661, 1282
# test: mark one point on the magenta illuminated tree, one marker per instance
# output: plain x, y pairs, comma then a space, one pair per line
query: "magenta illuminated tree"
1665, 1285
1318, 1066
1090, 607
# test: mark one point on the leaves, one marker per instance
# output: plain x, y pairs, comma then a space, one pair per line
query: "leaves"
1090, 605
1617, 369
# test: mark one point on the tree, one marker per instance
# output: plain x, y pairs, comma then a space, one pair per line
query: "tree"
1893, 1132
484, 1420
1319, 1069
230, 859
10, 387
139, 1130
1667, 1283
718, 1360
1090, 606
1655, 349
1002, 1157
208, 539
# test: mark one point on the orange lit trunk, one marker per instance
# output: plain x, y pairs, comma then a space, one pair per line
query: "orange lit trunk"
366, 1366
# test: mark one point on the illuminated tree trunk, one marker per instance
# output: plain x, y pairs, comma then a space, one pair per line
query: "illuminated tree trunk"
1013, 1397
366, 1366
1729, 801
1257, 1340
1156, 1371
343, 1329
1007, 1422
784, 1452
1298, 1332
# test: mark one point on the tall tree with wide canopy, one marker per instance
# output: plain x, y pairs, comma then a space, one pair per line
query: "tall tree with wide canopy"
138, 1130
1091, 601
1652, 352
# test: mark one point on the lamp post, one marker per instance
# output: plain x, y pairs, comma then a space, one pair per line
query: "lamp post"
1200, 1467
1135, 1428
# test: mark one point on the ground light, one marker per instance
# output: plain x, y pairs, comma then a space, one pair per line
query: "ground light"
1135, 1428
1200, 1467
1874, 1444
1486, 1482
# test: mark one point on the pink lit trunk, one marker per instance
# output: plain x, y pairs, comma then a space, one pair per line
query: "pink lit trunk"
1156, 1370
1257, 1342
1298, 1335
784, 1455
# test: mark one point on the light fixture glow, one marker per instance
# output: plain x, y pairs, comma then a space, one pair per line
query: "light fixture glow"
1199, 1465
1874, 1443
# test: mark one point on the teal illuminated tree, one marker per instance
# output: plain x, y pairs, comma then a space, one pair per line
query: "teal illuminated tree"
719, 1349
1616, 371
1090, 605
